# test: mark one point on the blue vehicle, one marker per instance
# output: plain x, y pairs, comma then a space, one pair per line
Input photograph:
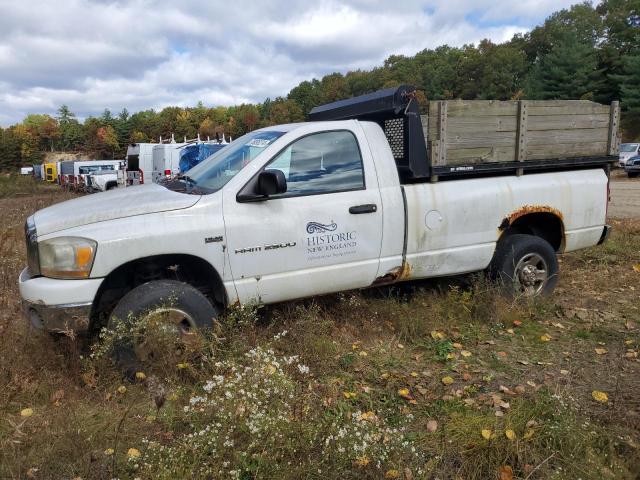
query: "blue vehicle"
193, 154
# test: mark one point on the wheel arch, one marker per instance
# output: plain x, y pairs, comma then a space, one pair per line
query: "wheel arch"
187, 268
544, 222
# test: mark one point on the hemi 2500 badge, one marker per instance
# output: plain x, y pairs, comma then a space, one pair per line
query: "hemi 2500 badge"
273, 246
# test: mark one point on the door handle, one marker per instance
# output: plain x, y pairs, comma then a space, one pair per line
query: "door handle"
368, 208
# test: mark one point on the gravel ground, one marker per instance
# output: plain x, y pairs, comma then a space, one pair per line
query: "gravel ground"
625, 196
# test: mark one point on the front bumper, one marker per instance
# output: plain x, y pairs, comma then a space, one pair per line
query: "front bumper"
58, 305
632, 168
58, 318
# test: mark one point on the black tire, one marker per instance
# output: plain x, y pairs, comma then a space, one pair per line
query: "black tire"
518, 264
632, 174
158, 294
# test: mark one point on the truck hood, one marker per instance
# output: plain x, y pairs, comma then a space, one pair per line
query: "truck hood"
116, 203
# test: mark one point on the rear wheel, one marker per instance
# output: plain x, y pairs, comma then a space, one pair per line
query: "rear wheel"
525, 265
632, 174
159, 325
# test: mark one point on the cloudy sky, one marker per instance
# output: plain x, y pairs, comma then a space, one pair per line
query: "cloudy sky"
143, 54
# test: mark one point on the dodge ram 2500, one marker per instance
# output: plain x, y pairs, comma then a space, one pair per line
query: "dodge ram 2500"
298, 210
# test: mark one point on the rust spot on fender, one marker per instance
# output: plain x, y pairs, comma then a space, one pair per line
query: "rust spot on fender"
403, 272
526, 210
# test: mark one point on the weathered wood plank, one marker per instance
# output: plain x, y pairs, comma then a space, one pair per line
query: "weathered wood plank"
481, 124
613, 147
550, 137
566, 150
564, 122
481, 107
462, 156
481, 139
578, 108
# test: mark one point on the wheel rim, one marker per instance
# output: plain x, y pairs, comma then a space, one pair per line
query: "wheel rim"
171, 323
531, 274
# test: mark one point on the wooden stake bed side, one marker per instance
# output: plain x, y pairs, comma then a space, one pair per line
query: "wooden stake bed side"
485, 137
468, 132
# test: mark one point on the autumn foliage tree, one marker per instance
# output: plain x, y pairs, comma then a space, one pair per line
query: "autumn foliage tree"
584, 51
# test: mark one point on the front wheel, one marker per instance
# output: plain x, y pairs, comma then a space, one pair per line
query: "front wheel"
157, 325
525, 265
632, 174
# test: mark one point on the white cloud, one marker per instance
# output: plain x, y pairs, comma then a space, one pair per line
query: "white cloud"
149, 54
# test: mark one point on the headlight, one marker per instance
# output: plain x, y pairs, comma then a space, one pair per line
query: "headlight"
66, 257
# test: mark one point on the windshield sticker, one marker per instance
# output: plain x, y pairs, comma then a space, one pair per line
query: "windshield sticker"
259, 142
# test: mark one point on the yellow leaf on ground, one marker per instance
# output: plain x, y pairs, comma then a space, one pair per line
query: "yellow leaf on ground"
392, 474
133, 453
636, 267
545, 338
599, 396
26, 412
486, 433
436, 335
122, 389
367, 416
362, 461
404, 393
457, 345
182, 366
447, 380
510, 434
465, 353
109, 451
349, 395
528, 433
601, 351
140, 375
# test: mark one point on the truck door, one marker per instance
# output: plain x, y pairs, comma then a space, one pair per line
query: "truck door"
323, 235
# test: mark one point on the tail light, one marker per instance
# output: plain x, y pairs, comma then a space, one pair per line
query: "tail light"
141, 176
167, 173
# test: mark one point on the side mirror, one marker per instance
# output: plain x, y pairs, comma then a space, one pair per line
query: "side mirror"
267, 183
271, 182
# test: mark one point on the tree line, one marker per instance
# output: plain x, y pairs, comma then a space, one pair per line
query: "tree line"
584, 52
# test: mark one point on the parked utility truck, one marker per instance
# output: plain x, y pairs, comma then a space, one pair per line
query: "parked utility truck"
369, 192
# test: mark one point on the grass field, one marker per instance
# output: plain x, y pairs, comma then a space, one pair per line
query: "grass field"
438, 379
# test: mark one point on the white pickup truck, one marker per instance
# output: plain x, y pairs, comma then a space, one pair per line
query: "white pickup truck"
297, 210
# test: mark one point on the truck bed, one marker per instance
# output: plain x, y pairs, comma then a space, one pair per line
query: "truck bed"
471, 137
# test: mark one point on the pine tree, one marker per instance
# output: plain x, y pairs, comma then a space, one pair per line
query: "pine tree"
630, 90
568, 71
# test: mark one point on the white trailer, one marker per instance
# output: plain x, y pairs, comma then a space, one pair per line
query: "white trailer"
139, 163
166, 160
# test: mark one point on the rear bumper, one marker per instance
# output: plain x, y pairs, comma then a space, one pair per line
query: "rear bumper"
606, 231
57, 305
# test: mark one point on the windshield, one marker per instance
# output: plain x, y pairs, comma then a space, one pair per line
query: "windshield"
628, 147
213, 173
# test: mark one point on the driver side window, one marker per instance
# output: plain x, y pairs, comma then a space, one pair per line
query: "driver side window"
325, 162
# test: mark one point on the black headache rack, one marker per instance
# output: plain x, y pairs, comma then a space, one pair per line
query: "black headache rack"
397, 112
